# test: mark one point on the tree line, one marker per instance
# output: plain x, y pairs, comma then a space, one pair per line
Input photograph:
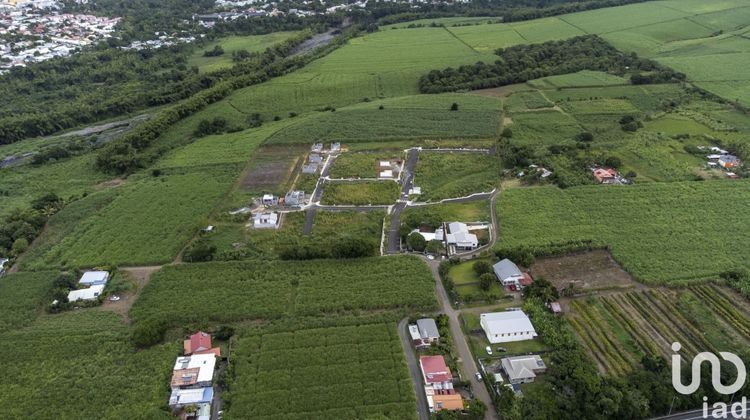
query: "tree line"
522, 63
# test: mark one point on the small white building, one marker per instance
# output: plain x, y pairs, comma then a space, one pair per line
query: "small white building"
266, 221
89, 293
508, 326
91, 278
269, 200
386, 174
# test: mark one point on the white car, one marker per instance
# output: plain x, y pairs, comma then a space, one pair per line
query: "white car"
489, 350
478, 376
114, 298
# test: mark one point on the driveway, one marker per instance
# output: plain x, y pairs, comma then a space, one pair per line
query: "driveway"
416, 375
468, 364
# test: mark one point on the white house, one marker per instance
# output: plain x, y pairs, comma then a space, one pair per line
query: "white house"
183, 397
91, 278
523, 369
428, 330
266, 221
3, 261
269, 200
508, 272
294, 198
504, 327
89, 293
196, 371
458, 235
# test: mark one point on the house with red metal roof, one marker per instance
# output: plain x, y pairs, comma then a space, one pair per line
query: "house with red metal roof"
438, 381
605, 175
200, 343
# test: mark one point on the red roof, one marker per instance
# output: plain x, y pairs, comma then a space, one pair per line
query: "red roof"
526, 280
434, 369
200, 341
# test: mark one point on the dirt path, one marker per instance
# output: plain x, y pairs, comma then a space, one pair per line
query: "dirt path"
141, 276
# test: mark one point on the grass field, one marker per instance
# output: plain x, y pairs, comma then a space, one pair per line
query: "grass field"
652, 230
343, 371
362, 165
476, 211
450, 175
230, 44
416, 117
267, 289
147, 223
581, 79
360, 193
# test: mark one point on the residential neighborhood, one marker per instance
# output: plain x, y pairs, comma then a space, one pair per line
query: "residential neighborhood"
192, 381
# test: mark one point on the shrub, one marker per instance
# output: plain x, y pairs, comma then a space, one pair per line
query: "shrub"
481, 267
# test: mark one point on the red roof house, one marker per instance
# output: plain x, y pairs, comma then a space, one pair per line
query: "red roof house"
526, 280
434, 370
605, 176
200, 343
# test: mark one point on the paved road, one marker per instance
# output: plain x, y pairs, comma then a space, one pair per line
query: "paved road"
694, 415
459, 341
394, 239
416, 375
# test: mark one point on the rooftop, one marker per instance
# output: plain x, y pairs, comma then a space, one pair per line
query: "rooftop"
507, 322
522, 367
506, 269
94, 277
428, 328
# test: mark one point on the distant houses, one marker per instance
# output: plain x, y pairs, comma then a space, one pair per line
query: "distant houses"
438, 381
424, 332
192, 377
508, 326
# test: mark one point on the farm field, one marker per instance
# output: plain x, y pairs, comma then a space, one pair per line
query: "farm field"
620, 329
362, 165
230, 44
350, 370
586, 271
147, 223
416, 117
82, 365
634, 222
360, 193
274, 289
444, 175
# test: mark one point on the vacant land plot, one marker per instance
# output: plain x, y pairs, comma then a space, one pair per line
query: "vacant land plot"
360, 193
148, 222
651, 229
237, 291
620, 329
449, 175
272, 169
586, 271
475, 211
544, 128
362, 165
583, 78
348, 371
231, 44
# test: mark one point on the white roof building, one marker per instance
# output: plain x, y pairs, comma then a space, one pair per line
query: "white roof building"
94, 277
504, 327
507, 272
266, 221
523, 369
182, 397
388, 173
460, 237
193, 371
89, 293
414, 332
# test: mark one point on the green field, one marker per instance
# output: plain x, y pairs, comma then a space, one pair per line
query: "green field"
673, 233
451, 175
475, 211
274, 289
581, 79
230, 44
147, 223
416, 117
361, 165
360, 193
350, 370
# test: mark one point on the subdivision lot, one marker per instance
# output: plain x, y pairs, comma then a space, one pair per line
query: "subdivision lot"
272, 169
586, 271
360, 193
443, 175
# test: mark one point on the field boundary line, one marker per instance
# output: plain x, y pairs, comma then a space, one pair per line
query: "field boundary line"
575, 26
461, 40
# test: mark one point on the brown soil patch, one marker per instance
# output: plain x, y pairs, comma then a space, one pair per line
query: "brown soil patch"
507, 121
141, 277
589, 271
111, 183
501, 92
272, 168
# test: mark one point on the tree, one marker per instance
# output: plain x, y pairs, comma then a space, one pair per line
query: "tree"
613, 162
481, 267
454, 107
149, 332
416, 242
541, 289
486, 280
199, 251
224, 333
507, 133
215, 52
585, 137
20, 246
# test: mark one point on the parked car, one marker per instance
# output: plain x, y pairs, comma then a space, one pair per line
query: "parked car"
114, 298
478, 376
489, 350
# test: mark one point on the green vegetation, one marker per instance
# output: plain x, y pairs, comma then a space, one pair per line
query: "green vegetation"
433, 215
634, 224
22, 297
232, 45
361, 165
251, 290
411, 117
360, 193
582, 78
346, 370
148, 222
449, 175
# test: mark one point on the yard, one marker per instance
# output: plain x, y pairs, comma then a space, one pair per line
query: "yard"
363, 165
360, 193
443, 175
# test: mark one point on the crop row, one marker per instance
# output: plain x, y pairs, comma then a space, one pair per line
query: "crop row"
643, 341
722, 306
599, 338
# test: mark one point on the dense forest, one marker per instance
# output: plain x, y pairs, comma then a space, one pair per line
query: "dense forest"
522, 63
